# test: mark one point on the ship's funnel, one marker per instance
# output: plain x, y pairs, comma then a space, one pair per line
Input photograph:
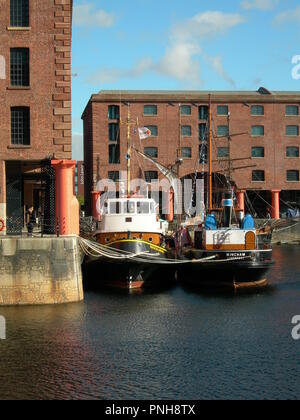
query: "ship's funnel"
228, 206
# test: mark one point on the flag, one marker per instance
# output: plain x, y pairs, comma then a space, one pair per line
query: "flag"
144, 133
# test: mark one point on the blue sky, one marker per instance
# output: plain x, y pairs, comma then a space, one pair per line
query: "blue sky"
177, 45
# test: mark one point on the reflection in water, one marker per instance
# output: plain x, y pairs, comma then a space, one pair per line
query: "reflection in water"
169, 344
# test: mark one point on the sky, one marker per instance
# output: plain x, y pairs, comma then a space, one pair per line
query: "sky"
182, 45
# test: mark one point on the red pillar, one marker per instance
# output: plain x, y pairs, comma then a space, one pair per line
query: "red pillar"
95, 197
275, 204
170, 215
66, 204
240, 196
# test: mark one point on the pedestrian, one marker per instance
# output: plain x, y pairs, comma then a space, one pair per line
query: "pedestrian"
30, 220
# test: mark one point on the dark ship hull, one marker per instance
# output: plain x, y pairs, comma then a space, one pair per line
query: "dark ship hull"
226, 269
145, 270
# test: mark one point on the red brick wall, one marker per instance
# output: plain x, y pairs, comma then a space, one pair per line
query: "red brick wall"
49, 94
275, 164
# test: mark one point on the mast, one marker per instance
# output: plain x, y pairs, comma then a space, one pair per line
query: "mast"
229, 151
210, 201
129, 123
128, 152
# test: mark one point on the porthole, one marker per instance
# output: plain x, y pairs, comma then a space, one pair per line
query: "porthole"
107, 240
150, 239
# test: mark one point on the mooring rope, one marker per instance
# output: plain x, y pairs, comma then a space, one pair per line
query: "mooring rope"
97, 250
287, 227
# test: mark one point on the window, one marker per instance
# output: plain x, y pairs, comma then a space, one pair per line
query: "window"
292, 130
113, 112
203, 112
291, 110
186, 131
258, 176
153, 129
257, 130
292, 152
222, 110
19, 67
203, 154
115, 206
151, 176
20, 126
186, 152
19, 13
129, 207
114, 176
257, 110
150, 110
114, 154
223, 152
292, 176
151, 151
142, 207
202, 132
113, 132
223, 130
185, 110
258, 152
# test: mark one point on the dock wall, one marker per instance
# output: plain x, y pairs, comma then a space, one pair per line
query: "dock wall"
289, 234
38, 271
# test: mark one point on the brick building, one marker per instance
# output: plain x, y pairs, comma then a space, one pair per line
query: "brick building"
35, 100
264, 139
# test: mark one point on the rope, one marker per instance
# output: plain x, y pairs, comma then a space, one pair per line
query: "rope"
94, 249
288, 227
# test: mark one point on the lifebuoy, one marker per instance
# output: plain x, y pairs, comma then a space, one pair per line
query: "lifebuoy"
2, 225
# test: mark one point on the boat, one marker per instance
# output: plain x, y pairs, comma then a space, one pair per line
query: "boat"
135, 240
131, 246
227, 254
226, 250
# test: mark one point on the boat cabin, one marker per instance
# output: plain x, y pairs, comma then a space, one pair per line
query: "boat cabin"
229, 238
130, 215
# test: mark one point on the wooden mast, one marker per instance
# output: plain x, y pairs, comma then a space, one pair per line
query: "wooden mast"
129, 123
210, 198
128, 153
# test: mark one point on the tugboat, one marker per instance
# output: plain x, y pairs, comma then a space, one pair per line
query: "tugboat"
130, 243
134, 237
235, 256
226, 252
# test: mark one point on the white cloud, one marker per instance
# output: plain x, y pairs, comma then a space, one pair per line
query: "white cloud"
288, 16
179, 63
216, 63
207, 24
181, 59
259, 4
88, 16
111, 75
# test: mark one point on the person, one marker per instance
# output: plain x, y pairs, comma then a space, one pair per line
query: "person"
30, 219
268, 214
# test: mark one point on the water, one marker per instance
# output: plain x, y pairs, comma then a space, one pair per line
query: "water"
172, 344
